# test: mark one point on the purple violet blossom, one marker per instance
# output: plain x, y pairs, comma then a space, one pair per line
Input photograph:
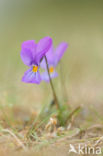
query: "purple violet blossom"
31, 54
53, 57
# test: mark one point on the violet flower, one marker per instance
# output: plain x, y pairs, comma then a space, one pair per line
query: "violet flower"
53, 57
31, 54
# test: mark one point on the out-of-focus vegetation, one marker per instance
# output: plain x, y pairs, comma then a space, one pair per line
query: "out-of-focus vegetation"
80, 23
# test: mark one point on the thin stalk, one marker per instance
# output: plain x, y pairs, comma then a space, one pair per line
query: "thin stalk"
72, 113
51, 84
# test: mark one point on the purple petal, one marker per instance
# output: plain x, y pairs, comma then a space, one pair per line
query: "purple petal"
43, 64
45, 77
42, 47
28, 51
60, 51
50, 58
31, 77
50, 55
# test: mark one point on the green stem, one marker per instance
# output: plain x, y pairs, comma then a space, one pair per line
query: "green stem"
51, 84
72, 113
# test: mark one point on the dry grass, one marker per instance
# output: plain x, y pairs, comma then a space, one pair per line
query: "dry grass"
47, 138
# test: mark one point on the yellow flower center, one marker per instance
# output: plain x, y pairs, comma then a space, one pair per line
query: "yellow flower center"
35, 68
51, 69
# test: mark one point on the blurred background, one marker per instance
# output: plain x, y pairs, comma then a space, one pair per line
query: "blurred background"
77, 22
